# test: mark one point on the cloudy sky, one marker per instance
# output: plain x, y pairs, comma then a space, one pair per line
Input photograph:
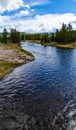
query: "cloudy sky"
34, 16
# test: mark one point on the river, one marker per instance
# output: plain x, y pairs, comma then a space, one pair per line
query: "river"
40, 95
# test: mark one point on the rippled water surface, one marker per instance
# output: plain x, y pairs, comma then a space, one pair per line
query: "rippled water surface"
40, 95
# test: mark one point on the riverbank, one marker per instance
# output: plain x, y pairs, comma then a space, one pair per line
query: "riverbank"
55, 44
11, 56
68, 45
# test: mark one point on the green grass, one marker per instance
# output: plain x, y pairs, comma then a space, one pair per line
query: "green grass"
49, 44
26, 52
6, 67
55, 44
45, 44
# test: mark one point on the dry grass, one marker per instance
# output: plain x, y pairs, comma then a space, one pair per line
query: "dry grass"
7, 67
11, 56
55, 44
68, 45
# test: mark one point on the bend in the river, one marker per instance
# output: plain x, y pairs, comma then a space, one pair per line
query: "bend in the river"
40, 95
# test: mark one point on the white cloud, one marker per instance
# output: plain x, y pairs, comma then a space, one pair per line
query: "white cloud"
3, 19
23, 13
27, 6
40, 23
47, 23
26, 12
39, 2
8, 5
30, 3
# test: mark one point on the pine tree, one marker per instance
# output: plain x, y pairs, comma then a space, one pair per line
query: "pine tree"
4, 36
15, 36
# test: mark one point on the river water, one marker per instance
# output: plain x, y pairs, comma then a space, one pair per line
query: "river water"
40, 95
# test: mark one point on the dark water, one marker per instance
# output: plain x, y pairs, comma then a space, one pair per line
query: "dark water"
40, 95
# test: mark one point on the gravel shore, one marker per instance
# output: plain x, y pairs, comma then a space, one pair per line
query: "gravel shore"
13, 55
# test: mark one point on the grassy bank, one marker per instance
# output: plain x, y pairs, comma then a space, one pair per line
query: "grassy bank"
7, 67
12, 56
68, 45
26, 52
55, 44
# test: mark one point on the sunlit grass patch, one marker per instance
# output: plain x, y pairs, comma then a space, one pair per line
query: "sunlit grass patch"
6, 67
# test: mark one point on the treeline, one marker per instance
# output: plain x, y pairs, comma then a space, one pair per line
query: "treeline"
13, 37
42, 37
65, 35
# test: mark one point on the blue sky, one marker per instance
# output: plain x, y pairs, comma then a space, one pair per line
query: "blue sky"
34, 16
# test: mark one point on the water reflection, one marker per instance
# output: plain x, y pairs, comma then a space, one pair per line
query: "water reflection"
34, 96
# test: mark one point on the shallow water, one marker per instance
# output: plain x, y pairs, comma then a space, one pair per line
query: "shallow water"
40, 95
